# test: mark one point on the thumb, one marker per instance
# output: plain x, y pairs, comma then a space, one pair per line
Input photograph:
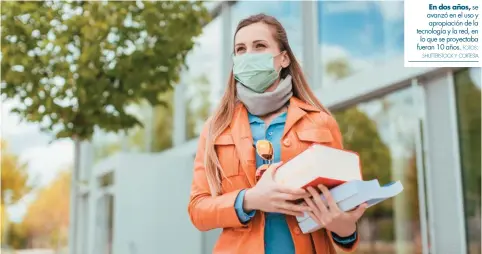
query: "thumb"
358, 212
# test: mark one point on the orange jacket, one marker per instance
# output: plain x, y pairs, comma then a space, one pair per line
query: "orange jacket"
305, 125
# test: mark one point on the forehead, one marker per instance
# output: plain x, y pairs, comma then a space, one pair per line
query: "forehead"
254, 32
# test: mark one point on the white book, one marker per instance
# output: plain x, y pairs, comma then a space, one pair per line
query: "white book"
320, 164
352, 194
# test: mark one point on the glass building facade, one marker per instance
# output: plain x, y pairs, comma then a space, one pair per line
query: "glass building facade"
354, 36
467, 87
418, 125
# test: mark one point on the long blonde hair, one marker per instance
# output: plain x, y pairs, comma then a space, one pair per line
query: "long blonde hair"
224, 113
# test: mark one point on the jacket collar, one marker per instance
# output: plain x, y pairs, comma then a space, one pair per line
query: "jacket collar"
297, 110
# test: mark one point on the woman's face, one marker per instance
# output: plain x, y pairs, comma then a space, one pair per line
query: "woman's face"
258, 38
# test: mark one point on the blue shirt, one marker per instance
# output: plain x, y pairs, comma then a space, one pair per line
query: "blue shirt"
277, 236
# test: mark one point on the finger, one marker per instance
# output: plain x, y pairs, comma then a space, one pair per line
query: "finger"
317, 199
288, 196
292, 196
314, 209
315, 218
273, 167
294, 207
289, 212
358, 212
260, 171
294, 191
330, 200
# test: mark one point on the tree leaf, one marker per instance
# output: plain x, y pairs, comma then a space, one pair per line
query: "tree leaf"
92, 60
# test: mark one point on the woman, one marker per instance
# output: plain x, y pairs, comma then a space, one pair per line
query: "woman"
267, 114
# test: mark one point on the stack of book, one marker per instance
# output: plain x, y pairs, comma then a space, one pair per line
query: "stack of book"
339, 170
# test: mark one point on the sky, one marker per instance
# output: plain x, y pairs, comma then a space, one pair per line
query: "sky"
362, 32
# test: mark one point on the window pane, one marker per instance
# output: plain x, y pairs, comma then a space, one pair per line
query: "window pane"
358, 35
105, 144
105, 224
288, 14
383, 132
467, 87
203, 78
161, 124
140, 138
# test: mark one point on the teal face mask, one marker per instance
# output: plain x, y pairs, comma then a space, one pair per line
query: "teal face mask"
255, 70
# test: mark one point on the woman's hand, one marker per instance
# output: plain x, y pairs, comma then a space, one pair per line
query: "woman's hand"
269, 196
330, 216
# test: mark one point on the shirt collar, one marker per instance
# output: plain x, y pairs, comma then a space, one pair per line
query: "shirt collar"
254, 119
279, 119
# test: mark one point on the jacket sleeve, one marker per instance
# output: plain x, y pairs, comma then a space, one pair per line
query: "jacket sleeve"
338, 143
206, 211
238, 206
335, 132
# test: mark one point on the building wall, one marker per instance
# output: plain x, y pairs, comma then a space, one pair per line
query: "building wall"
151, 198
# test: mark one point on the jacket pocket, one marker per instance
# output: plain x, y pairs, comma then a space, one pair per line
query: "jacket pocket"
318, 136
227, 156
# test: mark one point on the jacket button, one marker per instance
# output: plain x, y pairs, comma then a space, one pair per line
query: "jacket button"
297, 231
286, 142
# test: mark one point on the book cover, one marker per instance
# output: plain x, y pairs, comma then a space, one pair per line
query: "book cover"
320, 164
352, 194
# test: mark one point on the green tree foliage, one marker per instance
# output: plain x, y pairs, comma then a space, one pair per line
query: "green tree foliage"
360, 134
74, 66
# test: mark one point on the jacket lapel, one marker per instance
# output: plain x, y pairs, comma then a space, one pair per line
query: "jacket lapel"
243, 141
296, 110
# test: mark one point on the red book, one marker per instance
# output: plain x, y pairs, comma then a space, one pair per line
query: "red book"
320, 164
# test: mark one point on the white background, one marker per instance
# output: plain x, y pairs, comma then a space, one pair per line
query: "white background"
416, 18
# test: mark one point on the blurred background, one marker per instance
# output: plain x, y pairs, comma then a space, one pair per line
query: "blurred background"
102, 103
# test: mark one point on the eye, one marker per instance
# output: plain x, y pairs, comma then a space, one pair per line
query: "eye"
240, 50
260, 46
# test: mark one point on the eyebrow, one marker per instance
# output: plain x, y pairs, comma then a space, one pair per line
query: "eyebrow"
256, 41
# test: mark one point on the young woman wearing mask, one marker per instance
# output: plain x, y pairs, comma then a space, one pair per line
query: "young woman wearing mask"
268, 114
